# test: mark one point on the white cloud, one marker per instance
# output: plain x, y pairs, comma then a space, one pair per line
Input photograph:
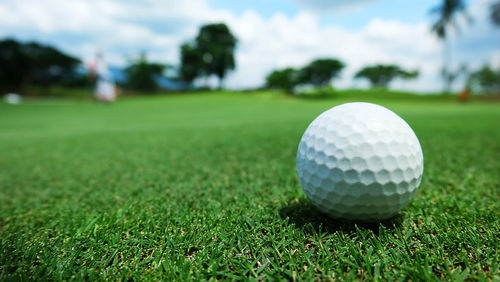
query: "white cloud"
124, 28
333, 6
282, 41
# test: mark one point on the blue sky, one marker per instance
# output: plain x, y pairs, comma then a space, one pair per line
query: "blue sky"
347, 15
266, 8
272, 33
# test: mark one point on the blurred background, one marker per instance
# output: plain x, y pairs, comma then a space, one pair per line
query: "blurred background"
64, 48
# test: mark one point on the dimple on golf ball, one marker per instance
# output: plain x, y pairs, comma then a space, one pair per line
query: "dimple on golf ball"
359, 161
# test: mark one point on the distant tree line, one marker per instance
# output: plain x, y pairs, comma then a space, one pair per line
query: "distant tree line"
321, 72
485, 80
141, 74
318, 73
211, 54
23, 64
381, 75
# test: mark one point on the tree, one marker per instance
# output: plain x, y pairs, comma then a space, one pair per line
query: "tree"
495, 13
14, 65
191, 63
320, 72
446, 13
50, 66
450, 76
285, 79
216, 45
382, 75
22, 64
486, 80
141, 74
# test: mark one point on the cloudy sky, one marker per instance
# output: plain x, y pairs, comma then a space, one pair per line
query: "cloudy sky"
271, 33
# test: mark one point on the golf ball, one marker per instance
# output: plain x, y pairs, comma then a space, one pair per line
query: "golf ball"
359, 161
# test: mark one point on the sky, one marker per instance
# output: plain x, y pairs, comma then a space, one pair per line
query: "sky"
271, 34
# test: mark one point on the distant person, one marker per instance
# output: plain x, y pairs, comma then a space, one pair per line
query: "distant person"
105, 89
464, 95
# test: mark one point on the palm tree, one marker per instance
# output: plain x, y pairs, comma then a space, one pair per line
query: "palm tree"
495, 13
447, 13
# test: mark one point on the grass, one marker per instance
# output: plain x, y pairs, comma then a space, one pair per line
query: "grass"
203, 186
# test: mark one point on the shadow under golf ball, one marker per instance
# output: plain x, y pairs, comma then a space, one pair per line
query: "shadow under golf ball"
305, 216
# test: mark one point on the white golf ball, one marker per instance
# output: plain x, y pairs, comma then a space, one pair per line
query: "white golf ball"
359, 161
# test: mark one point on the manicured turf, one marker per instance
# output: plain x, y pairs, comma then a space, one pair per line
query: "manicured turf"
204, 186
